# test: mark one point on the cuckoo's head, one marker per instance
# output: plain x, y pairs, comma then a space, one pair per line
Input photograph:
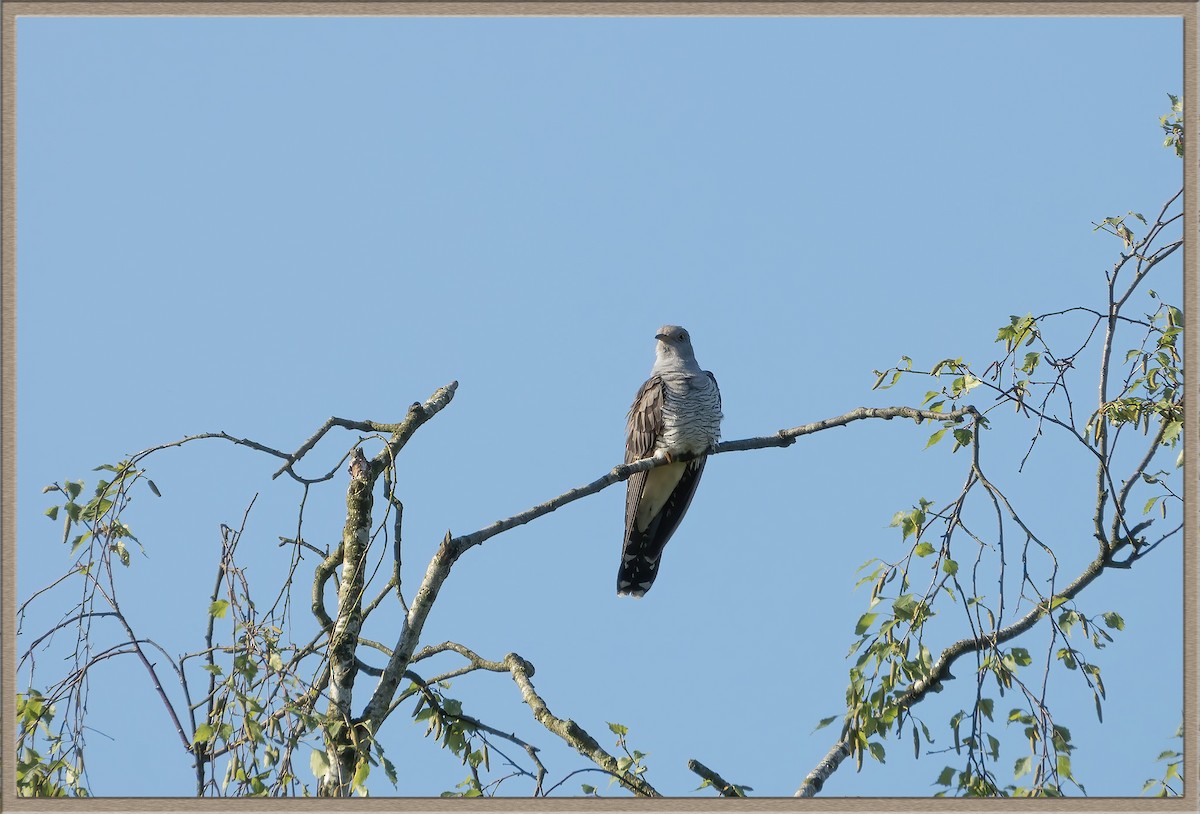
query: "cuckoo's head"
674, 343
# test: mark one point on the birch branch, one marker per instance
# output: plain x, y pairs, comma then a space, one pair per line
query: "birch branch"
417, 415
719, 783
572, 732
941, 670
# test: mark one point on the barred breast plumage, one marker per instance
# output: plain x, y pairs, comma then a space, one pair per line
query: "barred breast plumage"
691, 413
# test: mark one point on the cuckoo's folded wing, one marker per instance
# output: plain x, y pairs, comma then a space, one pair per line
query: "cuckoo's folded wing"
642, 431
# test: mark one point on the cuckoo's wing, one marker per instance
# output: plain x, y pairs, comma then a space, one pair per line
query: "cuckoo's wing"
709, 374
642, 430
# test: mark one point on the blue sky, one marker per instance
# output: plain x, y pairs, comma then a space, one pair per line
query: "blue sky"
252, 224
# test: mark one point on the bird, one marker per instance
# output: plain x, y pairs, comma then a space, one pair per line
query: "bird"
676, 412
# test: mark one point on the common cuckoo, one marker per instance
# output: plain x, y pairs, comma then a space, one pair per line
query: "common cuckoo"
676, 412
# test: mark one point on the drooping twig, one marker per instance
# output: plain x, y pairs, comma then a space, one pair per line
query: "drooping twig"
941, 670
432, 700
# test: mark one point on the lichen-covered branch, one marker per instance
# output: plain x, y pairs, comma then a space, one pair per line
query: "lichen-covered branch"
346, 743
343, 639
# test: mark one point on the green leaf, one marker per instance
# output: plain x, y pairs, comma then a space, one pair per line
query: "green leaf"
923, 549
215, 669
96, 508
1114, 620
1022, 767
319, 764
1171, 432
52, 512
587, 789
963, 437
864, 623
80, 540
1021, 656
1061, 737
360, 777
1064, 765
868, 562
933, 439
824, 722
204, 734
994, 747
985, 706
219, 608
946, 777
876, 751
903, 606
618, 729
950, 566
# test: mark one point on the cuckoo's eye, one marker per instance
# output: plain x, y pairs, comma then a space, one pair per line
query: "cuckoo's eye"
683, 337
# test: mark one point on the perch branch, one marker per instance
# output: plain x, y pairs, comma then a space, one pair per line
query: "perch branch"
783, 438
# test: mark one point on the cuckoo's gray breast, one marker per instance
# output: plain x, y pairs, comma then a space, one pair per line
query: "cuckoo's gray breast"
691, 413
